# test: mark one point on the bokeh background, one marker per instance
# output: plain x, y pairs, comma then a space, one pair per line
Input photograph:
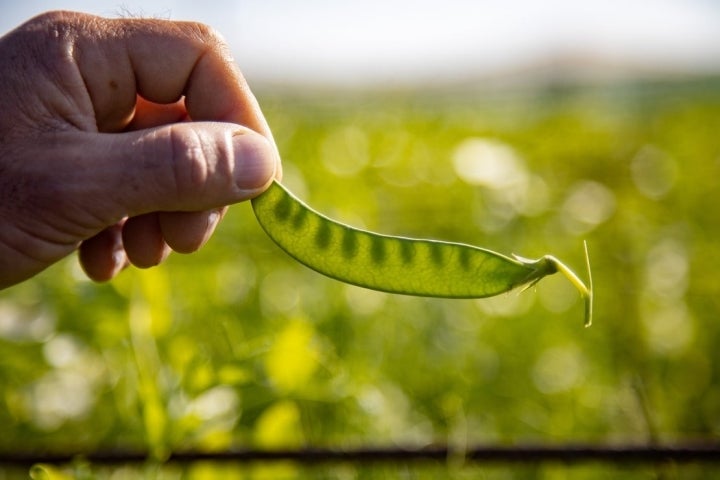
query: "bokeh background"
525, 127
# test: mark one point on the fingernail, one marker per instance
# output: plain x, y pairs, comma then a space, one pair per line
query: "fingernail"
119, 260
213, 218
255, 160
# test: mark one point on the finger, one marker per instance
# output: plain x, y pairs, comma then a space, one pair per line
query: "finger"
193, 166
161, 61
102, 256
185, 232
143, 241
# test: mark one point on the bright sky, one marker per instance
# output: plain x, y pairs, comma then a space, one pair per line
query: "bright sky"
405, 40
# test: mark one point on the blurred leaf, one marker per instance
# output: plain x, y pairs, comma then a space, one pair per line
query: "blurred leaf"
142, 312
234, 375
279, 426
155, 288
48, 472
293, 358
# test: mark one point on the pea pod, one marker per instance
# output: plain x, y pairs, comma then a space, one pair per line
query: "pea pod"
429, 268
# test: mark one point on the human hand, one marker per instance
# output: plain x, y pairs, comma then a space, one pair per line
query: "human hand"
122, 138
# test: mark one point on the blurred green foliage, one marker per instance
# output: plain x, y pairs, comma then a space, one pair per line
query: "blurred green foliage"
239, 346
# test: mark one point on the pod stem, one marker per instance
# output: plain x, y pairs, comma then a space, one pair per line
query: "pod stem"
589, 298
586, 292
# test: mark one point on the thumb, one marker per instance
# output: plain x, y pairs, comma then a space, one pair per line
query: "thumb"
189, 166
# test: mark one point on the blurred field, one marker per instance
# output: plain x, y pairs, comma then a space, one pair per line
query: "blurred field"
239, 346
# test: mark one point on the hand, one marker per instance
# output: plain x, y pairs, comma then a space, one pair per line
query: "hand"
121, 138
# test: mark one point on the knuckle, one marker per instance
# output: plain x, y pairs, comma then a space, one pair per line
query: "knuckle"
208, 38
207, 34
189, 162
202, 167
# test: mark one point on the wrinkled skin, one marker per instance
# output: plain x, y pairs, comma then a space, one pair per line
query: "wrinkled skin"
123, 139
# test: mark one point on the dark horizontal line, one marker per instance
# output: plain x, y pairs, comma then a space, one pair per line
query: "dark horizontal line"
483, 454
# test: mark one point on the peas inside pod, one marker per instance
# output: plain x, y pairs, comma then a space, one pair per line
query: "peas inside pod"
392, 264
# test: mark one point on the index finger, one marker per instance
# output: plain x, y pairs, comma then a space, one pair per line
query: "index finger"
160, 60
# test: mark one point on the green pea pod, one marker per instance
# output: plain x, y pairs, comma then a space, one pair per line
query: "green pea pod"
429, 268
